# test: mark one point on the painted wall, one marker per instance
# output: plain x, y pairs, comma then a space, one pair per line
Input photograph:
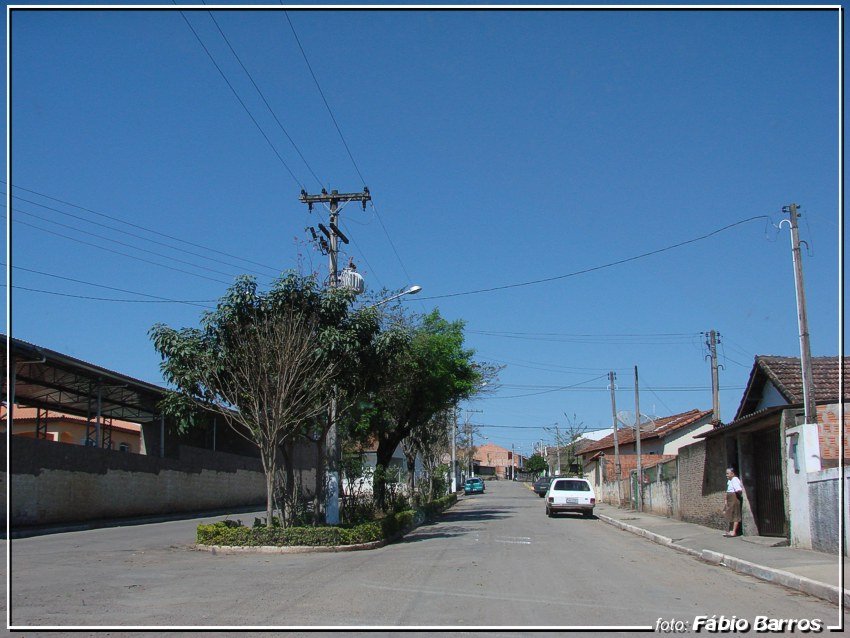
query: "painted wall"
685, 436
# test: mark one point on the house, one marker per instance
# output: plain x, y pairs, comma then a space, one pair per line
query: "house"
660, 439
124, 436
493, 460
789, 470
361, 481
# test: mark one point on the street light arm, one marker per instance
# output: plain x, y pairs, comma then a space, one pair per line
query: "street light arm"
410, 291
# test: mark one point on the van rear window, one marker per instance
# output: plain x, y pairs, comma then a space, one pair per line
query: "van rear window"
571, 486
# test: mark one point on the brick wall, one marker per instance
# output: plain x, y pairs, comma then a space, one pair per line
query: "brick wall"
60, 483
702, 482
829, 433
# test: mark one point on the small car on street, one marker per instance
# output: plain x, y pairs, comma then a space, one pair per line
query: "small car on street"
541, 485
570, 495
473, 486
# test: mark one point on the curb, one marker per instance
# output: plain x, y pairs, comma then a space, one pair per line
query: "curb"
289, 549
827, 592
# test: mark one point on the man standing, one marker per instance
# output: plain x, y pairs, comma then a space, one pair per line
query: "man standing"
734, 496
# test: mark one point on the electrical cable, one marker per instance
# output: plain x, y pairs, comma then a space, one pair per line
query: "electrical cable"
149, 230
601, 267
566, 387
121, 243
105, 287
239, 99
118, 252
126, 232
112, 299
265, 101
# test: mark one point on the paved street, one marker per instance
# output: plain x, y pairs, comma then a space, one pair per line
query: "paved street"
492, 560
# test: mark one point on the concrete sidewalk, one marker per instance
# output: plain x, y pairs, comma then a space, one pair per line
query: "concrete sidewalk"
805, 570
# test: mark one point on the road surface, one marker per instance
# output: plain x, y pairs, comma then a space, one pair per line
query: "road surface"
493, 560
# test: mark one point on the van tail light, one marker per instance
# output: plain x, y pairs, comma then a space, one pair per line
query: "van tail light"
551, 499
593, 501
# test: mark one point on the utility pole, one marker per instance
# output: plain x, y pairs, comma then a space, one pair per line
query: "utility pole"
558, 448
637, 445
713, 340
513, 462
454, 452
802, 320
611, 378
332, 443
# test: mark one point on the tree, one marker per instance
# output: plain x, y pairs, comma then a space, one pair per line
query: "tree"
535, 464
261, 361
431, 371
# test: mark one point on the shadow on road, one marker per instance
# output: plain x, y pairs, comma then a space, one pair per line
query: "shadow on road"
451, 524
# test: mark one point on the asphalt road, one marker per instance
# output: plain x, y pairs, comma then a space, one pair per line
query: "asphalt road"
493, 560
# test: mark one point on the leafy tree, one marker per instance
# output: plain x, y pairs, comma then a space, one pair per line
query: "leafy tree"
429, 371
262, 360
536, 464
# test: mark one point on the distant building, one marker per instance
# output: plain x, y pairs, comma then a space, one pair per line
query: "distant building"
64, 428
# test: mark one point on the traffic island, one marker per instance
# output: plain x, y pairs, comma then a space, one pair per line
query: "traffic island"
231, 536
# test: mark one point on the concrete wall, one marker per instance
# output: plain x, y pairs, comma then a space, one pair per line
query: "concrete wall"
58, 482
661, 493
702, 482
824, 487
685, 436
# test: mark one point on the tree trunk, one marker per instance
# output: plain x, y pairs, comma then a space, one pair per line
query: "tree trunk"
267, 457
410, 457
289, 491
319, 505
383, 456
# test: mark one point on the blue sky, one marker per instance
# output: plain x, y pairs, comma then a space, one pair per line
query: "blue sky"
500, 147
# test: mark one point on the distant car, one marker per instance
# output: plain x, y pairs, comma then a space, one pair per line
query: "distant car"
473, 486
542, 484
570, 495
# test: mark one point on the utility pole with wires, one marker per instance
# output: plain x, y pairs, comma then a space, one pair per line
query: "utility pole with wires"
333, 234
639, 494
802, 320
611, 378
713, 340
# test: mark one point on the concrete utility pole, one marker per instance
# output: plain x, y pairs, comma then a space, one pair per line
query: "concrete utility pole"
713, 340
611, 378
802, 320
637, 445
332, 444
454, 451
558, 449
513, 462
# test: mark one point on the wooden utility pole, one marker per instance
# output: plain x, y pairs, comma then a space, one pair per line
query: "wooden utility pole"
802, 320
713, 340
332, 444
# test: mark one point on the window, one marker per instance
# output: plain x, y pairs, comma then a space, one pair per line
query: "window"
571, 486
124, 447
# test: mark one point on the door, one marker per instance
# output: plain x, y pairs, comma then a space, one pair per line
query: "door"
770, 502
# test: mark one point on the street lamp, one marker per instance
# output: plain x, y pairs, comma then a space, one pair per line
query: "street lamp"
410, 291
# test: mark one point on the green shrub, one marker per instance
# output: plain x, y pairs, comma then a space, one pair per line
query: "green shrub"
233, 533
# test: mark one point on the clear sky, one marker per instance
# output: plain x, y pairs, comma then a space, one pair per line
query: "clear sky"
501, 147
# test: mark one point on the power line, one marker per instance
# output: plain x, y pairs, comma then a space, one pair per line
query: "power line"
149, 230
345, 144
118, 252
265, 101
128, 233
595, 268
566, 387
105, 287
90, 298
120, 243
239, 99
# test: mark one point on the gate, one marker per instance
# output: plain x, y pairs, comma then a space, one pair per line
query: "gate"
770, 502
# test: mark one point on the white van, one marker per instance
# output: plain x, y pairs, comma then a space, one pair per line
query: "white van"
570, 495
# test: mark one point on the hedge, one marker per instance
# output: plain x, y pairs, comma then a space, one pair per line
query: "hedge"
235, 534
